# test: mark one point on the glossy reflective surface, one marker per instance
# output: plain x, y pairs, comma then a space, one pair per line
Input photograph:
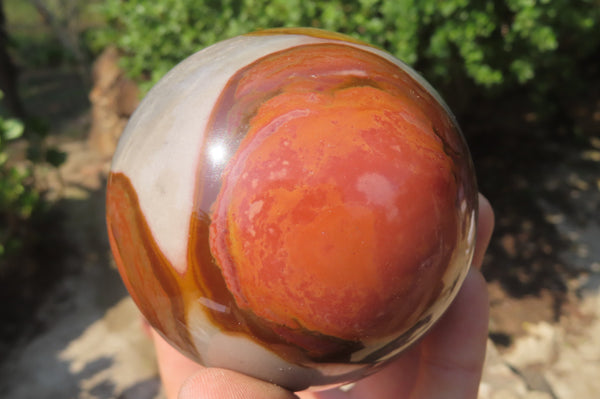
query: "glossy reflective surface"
294, 205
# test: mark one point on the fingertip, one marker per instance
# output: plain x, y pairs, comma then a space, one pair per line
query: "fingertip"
485, 228
215, 383
453, 353
173, 366
486, 212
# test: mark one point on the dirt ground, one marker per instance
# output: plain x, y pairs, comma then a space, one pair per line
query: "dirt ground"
77, 334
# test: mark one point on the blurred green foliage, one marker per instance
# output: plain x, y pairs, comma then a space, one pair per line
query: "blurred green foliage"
488, 45
22, 204
18, 197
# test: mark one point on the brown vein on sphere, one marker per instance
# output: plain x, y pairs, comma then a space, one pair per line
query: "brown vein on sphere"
209, 282
313, 32
149, 277
207, 276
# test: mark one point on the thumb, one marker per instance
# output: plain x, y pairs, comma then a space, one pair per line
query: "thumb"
213, 383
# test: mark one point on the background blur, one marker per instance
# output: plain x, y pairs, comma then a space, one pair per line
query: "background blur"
523, 77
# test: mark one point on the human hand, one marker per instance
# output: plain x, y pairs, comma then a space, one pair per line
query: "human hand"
446, 363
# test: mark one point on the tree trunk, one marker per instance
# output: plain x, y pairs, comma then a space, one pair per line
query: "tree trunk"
8, 72
67, 38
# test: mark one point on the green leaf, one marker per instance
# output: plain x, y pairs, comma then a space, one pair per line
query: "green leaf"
523, 70
13, 129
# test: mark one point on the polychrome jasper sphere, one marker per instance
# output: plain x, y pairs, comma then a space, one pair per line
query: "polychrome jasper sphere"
292, 204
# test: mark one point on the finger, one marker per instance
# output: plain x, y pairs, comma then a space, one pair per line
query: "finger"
174, 367
184, 379
485, 227
447, 363
395, 380
452, 354
213, 383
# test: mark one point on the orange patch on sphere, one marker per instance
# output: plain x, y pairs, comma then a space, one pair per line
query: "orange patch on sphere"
337, 213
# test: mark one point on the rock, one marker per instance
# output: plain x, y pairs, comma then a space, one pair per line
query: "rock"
498, 380
576, 370
510, 316
114, 97
551, 360
539, 347
113, 355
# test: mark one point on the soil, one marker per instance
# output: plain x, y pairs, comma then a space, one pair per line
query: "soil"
542, 179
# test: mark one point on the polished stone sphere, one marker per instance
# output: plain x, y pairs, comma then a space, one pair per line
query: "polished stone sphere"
294, 205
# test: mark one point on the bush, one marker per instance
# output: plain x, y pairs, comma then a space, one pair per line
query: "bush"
23, 208
18, 197
490, 45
